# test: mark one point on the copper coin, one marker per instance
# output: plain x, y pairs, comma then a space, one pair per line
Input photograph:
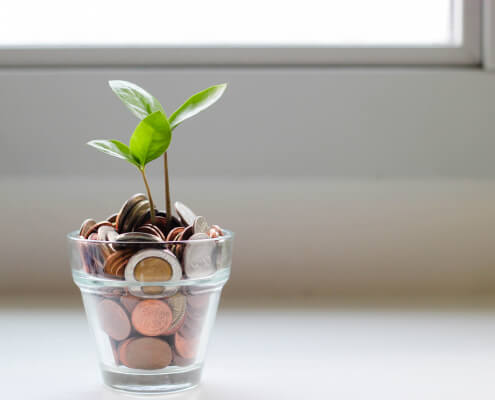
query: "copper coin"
146, 353
126, 207
97, 258
188, 232
129, 302
113, 319
116, 262
185, 348
112, 218
191, 328
213, 233
86, 226
218, 229
173, 233
122, 350
152, 230
95, 227
151, 317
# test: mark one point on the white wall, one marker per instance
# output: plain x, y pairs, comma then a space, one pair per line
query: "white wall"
342, 181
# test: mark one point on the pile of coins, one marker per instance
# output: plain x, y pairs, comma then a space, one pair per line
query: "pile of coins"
152, 327
132, 244
153, 333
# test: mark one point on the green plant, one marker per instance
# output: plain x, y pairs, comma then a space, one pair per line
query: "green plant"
149, 141
153, 134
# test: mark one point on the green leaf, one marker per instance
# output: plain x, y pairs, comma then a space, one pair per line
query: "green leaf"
197, 103
114, 148
151, 138
138, 100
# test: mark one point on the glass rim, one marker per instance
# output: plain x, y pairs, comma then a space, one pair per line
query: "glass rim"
74, 237
85, 280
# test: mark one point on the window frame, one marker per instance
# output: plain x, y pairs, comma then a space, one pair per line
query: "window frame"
469, 53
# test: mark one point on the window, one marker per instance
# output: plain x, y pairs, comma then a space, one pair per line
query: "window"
228, 32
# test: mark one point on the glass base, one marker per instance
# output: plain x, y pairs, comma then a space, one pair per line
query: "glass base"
152, 383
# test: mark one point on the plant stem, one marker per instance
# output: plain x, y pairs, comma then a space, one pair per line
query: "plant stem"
152, 206
168, 206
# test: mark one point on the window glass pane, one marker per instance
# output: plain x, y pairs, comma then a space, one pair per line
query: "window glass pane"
226, 22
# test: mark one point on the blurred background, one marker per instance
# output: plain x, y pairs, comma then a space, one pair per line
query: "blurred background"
352, 153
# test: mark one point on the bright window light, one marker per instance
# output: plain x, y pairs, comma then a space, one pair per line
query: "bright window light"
53, 23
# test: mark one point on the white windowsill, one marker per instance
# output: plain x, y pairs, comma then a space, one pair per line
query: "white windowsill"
318, 353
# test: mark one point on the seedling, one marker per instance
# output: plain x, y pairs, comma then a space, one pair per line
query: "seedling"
153, 134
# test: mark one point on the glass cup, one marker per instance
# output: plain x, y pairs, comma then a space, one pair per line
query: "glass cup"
151, 313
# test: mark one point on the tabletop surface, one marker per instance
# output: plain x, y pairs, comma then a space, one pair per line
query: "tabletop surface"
272, 352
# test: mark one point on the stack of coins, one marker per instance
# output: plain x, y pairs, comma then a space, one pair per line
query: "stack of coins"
116, 242
151, 327
153, 333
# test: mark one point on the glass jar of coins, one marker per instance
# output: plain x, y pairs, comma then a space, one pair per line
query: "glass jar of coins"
151, 287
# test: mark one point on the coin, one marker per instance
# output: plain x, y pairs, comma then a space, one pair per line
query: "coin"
213, 233
129, 302
112, 218
126, 207
173, 233
200, 225
86, 258
198, 260
153, 265
116, 262
97, 226
86, 226
151, 317
113, 319
177, 304
186, 215
185, 348
188, 232
145, 353
134, 240
191, 328
96, 255
152, 230
218, 229
135, 214
107, 233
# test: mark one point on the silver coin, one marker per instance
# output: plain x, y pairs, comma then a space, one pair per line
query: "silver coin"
185, 213
198, 257
137, 237
134, 240
200, 225
150, 273
105, 231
